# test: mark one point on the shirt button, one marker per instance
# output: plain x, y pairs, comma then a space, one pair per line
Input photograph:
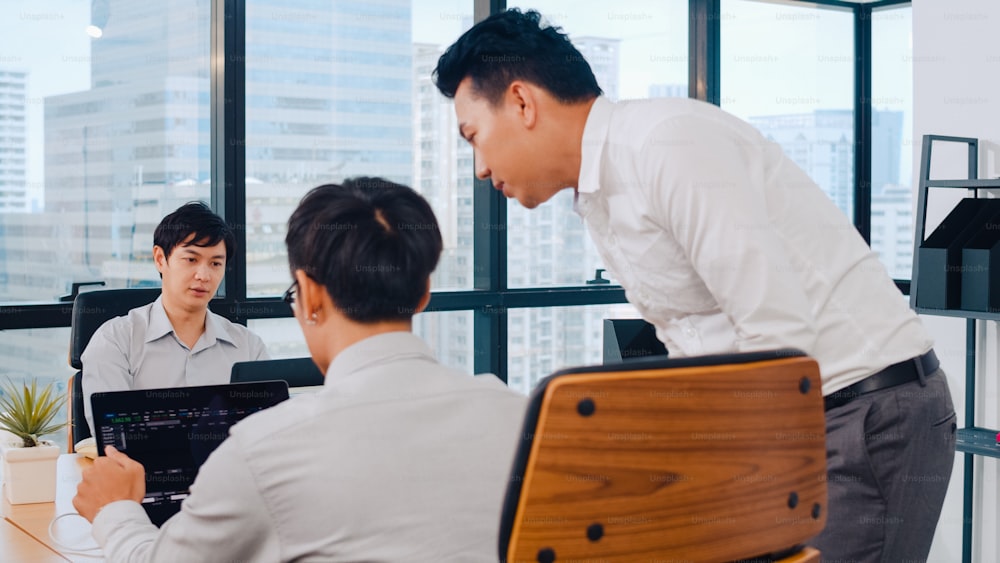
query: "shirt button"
690, 332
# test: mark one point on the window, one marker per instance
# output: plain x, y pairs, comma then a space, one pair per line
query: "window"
892, 139
115, 136
545, 339
795, 84
39, 353
449, 335
99, 138
358, 103
637, 49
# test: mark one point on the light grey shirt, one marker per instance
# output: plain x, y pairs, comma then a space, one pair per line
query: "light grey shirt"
397, 458
725, 245
140, 351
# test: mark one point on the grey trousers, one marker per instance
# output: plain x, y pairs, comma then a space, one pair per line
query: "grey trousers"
889, 459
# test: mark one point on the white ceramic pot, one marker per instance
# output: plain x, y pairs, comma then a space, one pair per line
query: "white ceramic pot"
29, 474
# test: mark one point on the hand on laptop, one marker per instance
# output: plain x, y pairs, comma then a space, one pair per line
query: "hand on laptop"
111, 478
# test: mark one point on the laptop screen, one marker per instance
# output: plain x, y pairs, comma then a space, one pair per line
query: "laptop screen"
173, 431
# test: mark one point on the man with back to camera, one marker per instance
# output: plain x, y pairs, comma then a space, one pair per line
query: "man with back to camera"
725, 245
174, 341
398, 458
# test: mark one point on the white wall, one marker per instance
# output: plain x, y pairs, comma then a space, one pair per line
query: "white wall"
956, 83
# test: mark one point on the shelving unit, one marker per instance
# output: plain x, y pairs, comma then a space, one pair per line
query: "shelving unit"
971, 440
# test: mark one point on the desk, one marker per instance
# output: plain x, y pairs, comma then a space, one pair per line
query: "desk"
25, 527
17, 545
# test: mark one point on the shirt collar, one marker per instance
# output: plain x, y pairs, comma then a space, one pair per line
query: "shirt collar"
215, 330
595, 136
374, 350
159, 326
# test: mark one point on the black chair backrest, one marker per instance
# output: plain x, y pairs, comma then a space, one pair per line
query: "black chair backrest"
91, 309
298, 372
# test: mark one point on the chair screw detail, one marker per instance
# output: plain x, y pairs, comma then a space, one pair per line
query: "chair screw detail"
595, 532
793, 500
546, 555
586, 407
804, 385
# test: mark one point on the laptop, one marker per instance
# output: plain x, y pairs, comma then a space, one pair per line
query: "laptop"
172, 431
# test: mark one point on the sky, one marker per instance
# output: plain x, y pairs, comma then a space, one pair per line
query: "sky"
47, 39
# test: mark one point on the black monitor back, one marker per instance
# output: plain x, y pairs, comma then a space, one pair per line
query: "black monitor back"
630, 339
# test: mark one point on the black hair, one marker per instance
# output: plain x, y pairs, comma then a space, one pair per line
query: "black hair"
510, 46
193, 218
372, 243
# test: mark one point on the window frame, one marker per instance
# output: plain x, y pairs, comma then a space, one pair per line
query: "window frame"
490, 298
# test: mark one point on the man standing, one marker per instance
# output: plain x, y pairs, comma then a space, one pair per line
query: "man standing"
174, 341
398, 458
724, 245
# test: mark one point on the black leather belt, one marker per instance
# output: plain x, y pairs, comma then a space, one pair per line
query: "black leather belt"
896, 374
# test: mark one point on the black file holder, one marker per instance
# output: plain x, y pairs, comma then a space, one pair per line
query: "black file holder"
981, 269
941, 256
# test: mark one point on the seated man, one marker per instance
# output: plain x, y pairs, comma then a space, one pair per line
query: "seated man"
174, 341
398, 458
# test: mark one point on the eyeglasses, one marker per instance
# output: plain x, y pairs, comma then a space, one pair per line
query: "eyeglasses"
289, 296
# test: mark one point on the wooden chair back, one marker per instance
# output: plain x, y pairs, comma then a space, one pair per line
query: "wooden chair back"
697, 459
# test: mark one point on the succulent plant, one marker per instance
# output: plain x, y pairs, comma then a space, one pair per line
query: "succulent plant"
27, 412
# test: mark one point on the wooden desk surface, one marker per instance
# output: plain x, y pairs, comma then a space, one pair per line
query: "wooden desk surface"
32, 520
17, 545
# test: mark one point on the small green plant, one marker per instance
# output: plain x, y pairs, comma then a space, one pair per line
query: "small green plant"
27, 412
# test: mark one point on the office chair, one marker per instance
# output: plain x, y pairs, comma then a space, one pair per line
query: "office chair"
91, 309
718, 458
297, 372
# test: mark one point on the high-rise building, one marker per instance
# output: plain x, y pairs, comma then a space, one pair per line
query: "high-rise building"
136, 145
443, 174
13, 188
550, 246
545, 246
821, 143
892, 228
603, 56
668, 90
328, 95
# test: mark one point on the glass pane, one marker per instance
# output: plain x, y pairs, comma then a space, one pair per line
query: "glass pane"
342, 89
637, 49
892, 139
41, 354
283, 337
104, 129
795, 83
545, 339
449, 335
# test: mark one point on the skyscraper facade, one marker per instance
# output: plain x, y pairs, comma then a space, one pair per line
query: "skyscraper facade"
13, 158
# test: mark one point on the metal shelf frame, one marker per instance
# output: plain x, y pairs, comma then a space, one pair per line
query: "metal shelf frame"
971, 439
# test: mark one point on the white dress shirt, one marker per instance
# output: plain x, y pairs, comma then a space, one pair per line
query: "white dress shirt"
397, 458
725, 245
140, 351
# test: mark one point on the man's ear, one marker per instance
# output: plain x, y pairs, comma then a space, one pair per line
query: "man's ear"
425, 300
310, 297
159, 258
522, 98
